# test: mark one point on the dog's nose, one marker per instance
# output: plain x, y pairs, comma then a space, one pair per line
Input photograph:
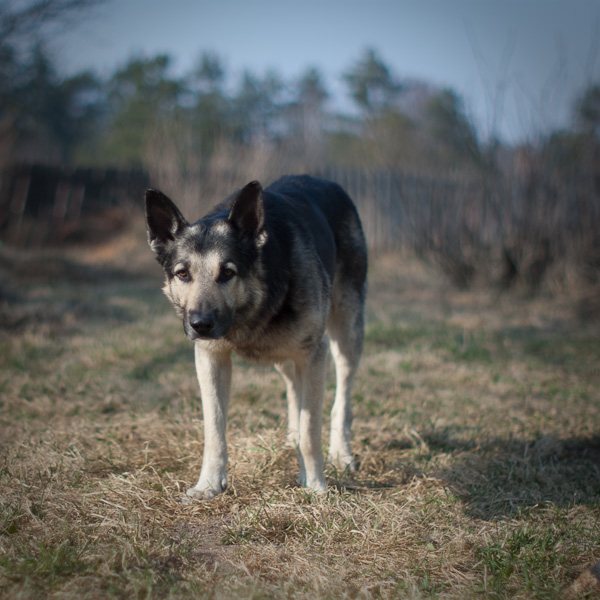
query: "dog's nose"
202, 323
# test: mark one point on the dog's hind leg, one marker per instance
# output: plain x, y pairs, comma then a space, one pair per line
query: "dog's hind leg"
346, 331
294, 393
214, 377
305, 384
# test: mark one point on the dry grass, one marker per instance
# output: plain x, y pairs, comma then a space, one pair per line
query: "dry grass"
477, 431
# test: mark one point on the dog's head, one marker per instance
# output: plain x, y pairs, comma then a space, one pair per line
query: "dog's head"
211, 266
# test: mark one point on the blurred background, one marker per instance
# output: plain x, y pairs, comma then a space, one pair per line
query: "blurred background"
466, 131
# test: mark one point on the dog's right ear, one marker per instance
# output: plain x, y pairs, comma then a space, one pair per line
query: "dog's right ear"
164, 220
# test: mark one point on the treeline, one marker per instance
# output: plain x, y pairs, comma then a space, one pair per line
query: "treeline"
144, 108
122, 118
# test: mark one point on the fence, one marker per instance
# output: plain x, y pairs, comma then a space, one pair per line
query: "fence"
505, 227
42, 204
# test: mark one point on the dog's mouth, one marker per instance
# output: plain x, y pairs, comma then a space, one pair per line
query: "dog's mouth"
206, 325
194, 335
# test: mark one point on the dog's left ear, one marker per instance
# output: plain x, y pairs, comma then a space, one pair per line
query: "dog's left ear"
248, 212
164, 220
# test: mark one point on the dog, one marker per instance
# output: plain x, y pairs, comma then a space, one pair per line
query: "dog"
273, 275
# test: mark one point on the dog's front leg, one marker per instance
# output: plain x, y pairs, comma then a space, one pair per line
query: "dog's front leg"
294, 382
311, 419
214, 376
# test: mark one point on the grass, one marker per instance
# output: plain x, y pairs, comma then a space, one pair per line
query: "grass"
477, 432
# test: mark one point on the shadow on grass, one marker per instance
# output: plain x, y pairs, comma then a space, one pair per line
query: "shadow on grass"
500, 477
505, 476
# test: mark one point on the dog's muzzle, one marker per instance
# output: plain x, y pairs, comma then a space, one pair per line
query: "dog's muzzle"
205, 325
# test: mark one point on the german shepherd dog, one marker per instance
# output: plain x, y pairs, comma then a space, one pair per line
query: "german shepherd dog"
267, 274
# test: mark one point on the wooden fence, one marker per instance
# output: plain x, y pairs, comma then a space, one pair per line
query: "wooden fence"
504, 227
42, 204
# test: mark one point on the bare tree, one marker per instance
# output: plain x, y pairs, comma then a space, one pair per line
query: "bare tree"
19, 19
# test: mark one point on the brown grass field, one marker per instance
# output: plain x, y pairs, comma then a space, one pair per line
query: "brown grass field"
477, 432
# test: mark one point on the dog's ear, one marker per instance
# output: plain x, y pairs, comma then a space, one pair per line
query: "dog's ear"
164, 220
248, 213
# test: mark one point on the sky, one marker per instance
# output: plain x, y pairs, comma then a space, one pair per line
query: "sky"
518, 65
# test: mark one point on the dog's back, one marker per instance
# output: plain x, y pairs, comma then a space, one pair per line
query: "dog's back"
321, 210
312, 200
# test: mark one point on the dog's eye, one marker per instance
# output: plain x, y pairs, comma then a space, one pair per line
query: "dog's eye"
227, 274
183, 275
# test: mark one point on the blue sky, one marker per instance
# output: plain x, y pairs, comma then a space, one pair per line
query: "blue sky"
517, 64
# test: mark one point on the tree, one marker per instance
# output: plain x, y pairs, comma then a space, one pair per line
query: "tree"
209, 74
256, 107
587, 110
371, 84
41, 115
83, 104
305, 117
311, 90
48, 116
210, 113
451, 130
577, 150
141, 96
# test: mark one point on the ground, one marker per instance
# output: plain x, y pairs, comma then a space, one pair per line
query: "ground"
477, 433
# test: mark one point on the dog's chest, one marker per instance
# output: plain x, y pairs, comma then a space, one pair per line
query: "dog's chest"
277, 344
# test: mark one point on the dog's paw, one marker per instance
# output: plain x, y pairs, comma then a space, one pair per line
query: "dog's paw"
342, 461
319, 485
196, 494
206, 489
292, 439
315, 483
345, 464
